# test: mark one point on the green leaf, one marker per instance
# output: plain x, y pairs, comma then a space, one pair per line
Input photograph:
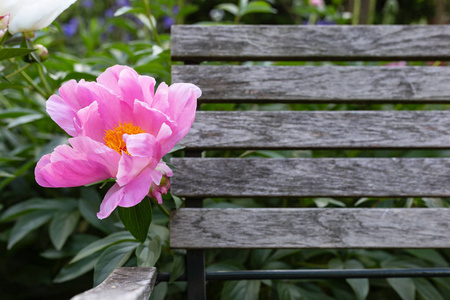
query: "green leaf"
62, 226
148, 253
361, 285
37, 204
258, 7
427, 290
137, 219
26, 224
430, 255
229, 7
6, 53
6, 174
404, 287
112, 258
323, 202
288, 291
25, 120
71, 271
88, 205
16, 112
178, 267
243, 289
115, 238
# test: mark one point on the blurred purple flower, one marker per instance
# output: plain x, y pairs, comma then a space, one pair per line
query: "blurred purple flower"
325, 22
109, 13
167, 22
70, 28
87, 3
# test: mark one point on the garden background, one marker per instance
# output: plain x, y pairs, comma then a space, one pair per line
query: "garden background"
52, 246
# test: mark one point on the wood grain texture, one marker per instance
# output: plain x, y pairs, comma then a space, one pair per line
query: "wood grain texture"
397, 42
319, 130
123, 284
333, 177
303, 84
310, 228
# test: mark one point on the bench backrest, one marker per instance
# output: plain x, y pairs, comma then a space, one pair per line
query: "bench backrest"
360, 85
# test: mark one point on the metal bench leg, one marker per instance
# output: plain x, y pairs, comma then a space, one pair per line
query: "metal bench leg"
195, 265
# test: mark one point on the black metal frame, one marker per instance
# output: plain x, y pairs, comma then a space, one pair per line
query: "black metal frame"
311, 274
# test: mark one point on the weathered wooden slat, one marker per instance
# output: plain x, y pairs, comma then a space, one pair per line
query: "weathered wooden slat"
260, 42
303, 84
310, 228
123, 284
334, 177
319, 130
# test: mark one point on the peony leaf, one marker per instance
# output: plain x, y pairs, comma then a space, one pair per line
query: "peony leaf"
62, 226
6, 53
108, 241
137, 219
113, 257
26, 224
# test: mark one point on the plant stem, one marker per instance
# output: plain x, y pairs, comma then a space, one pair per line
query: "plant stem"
356, 11
44, 80
18, 71
162, 208
33, 84
149, 16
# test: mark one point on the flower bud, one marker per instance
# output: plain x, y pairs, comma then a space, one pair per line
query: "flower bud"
4, 21
157, 190
41, 51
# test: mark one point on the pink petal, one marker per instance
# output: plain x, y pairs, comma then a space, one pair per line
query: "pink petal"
149, 119
62, 114
45, 160
77, 94
148, 88
110, 78
87, 162
126, 196
143, 145
161, 99
98, 152
131, 166
130, 87
183, 100
111, 200
90, 123
112, 109
138, 188
164, 168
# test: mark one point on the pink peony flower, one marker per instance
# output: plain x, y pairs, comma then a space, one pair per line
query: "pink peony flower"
121, 129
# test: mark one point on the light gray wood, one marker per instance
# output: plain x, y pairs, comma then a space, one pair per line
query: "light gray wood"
303, 84
310, 228
123, 284
319, 130
310, 42
334, 177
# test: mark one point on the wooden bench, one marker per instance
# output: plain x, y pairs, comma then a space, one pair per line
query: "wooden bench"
195, 228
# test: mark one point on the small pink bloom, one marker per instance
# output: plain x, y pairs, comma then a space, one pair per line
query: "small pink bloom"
121, 129
401, 63
317, 3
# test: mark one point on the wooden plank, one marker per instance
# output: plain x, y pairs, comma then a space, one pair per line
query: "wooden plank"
123, 284
310, 228
394, 42
304, 84
319, 130
333, 177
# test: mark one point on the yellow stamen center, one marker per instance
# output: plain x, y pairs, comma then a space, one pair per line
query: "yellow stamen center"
114, 137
